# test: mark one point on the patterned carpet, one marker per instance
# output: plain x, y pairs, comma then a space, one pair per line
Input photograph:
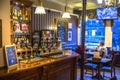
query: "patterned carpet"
107, 74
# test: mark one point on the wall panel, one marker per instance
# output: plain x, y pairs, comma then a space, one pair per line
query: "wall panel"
44, 21
47, 21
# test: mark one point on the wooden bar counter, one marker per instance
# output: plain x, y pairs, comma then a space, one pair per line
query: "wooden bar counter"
63, 68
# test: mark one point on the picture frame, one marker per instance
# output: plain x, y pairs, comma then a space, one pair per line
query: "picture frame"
11, 57
69, 35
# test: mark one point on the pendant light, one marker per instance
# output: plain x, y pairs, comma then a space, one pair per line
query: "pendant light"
100, 1
66, 14
40, 9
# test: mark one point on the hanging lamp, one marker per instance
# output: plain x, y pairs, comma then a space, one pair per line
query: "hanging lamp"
40, 9
66, 14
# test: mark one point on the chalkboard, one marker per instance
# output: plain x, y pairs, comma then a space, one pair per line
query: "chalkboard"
11, 57
62, 29
0, 33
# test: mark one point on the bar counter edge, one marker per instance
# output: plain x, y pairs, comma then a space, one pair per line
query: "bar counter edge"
47, 69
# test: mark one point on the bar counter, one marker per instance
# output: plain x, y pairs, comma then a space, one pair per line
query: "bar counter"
63, 68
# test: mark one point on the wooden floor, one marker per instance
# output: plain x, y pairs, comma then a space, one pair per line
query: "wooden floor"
107, 74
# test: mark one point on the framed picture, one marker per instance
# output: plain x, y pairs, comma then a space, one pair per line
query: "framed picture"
69, 35
11, 56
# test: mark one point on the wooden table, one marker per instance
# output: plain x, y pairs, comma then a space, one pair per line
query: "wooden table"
99, 62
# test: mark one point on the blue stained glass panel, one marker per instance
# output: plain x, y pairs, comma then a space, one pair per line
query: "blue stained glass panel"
116, 34
95, 32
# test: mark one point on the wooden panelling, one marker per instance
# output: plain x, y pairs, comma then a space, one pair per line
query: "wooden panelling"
44, 21
47, 21
47, 69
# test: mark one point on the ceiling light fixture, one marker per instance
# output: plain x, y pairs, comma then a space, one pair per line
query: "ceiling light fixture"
100, 1
66, 14
40, 9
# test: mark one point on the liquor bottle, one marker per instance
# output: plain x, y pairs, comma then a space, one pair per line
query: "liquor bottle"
26, 15
20, 15
14, 14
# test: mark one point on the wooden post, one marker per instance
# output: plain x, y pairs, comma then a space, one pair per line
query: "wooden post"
83, 37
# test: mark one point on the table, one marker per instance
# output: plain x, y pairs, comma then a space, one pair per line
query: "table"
99, 61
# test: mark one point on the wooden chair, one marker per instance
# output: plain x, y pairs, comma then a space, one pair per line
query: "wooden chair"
110, 68
79, 51
90, 66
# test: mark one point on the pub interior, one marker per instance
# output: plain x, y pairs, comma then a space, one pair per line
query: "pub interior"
38, 42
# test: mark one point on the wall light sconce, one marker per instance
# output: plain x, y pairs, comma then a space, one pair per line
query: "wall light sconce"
40, 9
66, 14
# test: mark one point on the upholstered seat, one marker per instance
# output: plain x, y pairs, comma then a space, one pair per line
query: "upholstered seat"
91, 66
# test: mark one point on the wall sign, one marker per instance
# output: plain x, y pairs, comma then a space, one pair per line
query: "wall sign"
69, 35
70, 25
62, 29
11, 56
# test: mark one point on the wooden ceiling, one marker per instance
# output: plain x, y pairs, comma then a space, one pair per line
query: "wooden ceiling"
74, 4
77, 4
91, 4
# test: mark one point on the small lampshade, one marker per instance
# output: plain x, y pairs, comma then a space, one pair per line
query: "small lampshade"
66, 15
99, 1
40, 10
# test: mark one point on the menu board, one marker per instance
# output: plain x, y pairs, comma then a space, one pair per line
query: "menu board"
10, 55
62, 27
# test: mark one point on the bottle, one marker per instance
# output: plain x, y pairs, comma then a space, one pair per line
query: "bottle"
26, 15
20, 15
14, 14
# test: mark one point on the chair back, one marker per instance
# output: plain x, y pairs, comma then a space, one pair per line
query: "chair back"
114, 59
79, 49
109, 55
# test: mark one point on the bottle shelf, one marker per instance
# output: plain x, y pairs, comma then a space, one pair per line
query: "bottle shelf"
20, 25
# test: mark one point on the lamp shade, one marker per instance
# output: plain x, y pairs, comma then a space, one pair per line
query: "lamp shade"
40, 10
99, 1
66, 15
